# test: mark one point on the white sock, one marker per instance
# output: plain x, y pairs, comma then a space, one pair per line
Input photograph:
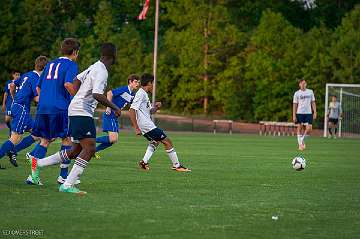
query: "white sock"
78, 168
299, 139
149, 152
303, 138
50, 160
173, 157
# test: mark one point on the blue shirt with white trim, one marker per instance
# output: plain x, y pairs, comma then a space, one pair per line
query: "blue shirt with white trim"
26, 85
54, 97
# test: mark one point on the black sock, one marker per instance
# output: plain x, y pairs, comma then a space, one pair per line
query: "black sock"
330, 131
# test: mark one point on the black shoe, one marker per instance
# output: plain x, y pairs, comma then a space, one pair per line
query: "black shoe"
2, 167
144, 166
12, 159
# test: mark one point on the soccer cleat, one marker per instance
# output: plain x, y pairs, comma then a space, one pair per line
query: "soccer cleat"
143, 165
30, 181
72, 189
97, 156
181, 169
35, 172
61, 180
12, 159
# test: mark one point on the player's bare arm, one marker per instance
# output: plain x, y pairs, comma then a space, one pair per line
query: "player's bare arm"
76, 85
109, 96
4, 102
295, 105
313, 105
105, 102
70, 88
12, 88
132, 115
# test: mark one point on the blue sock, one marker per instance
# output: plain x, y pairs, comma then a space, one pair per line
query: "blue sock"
6, 147
103, 146
103, 140
64, 166
39, 151
26, 142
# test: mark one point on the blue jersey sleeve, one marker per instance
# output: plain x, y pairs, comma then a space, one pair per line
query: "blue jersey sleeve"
71, 73
33, 86
6, 88
118, 91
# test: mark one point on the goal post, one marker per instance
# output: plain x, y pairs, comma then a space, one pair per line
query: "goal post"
348, 95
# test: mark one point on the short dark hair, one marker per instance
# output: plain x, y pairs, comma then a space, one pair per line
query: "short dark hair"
69, 45
133, 77
13, 71
301, 80
40, 62
108, 49
334, 96
146, 78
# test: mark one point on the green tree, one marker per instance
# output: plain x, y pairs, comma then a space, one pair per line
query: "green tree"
199, 45
345, 49
274, 65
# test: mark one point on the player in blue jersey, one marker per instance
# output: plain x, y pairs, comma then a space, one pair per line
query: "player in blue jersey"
20, 109
120, 96
55, 91
8, 98
91, 85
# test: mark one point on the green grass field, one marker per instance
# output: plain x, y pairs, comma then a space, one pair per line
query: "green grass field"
237, 184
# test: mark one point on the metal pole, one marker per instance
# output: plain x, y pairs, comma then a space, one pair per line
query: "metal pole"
326, 110
340, 121
155, 50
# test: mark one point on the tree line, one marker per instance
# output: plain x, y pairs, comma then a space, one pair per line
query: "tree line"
237, 59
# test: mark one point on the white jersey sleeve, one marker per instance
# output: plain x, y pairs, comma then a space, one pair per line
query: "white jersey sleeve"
138, 99
312, 96
99, 82
82, 76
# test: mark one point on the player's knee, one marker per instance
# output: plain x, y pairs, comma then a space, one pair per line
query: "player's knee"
90, 151
113, 138
15, 138
154, 144
44, 142
167, 143
66, 141
7, 120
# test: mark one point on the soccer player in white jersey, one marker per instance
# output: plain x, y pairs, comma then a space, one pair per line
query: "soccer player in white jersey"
334, 115
90, 86
304, 112
140, 116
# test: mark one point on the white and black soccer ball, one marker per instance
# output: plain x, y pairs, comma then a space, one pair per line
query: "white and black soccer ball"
299, 163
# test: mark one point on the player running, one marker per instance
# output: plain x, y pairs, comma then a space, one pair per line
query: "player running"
120, 96
91, 84
334, 115
304, 112
8, 99
20, 110
140, 111
56, 88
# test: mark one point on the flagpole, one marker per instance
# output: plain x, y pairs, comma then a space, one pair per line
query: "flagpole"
155, 50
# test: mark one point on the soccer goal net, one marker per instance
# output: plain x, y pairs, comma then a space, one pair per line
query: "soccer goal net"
348, 98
